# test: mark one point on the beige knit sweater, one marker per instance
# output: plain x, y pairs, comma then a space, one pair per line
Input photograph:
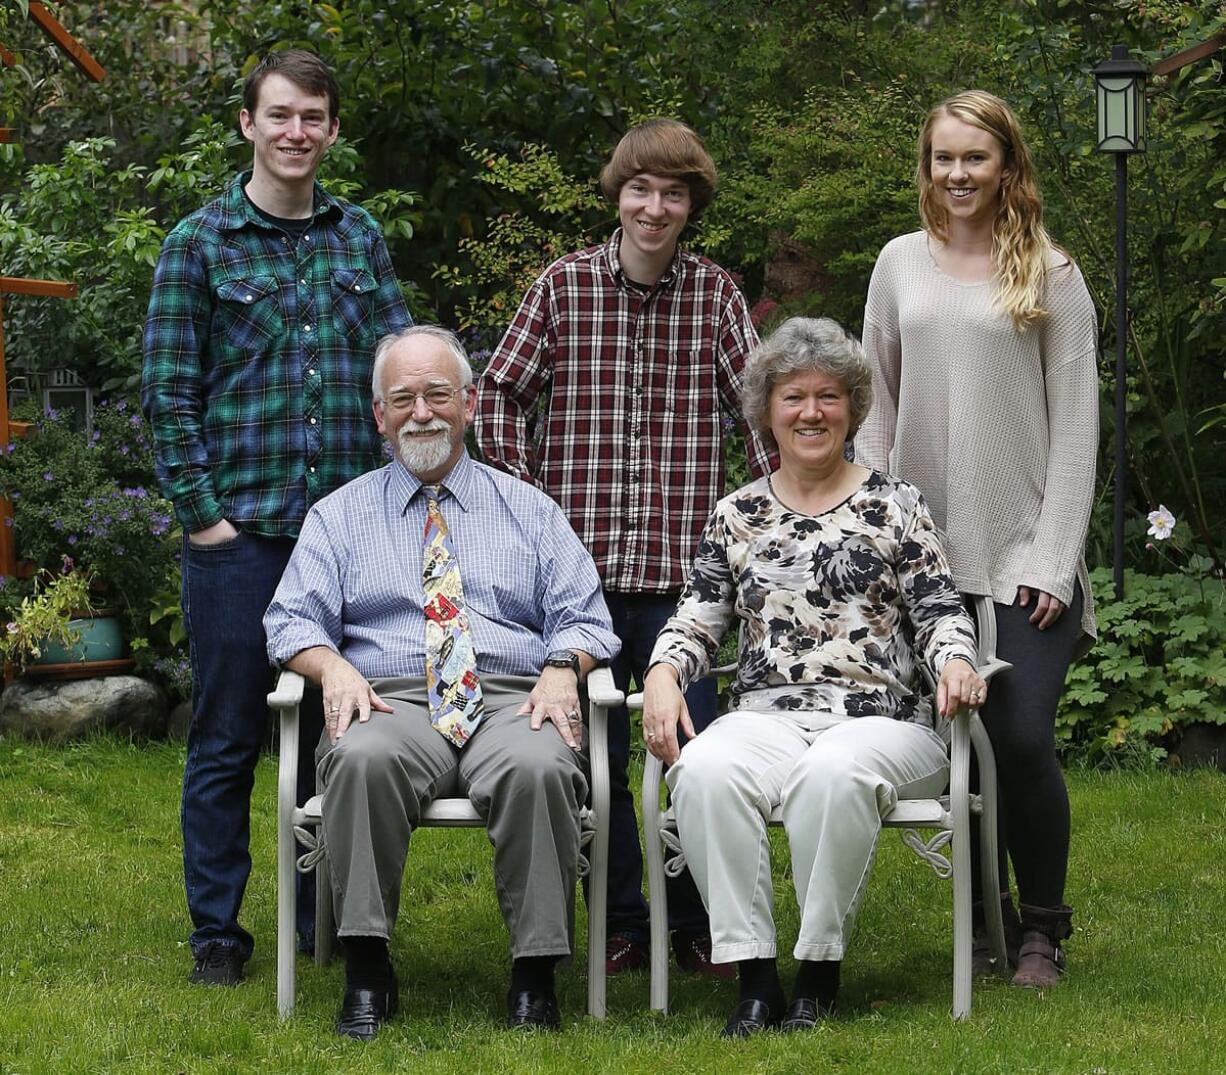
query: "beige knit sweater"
999, 429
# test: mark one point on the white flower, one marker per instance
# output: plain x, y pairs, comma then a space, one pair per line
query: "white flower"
1161, 523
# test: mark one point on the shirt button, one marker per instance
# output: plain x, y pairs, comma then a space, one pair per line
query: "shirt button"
306, 328
302, 282
312, 470
310, 373
248, 298
357, 287
312, 421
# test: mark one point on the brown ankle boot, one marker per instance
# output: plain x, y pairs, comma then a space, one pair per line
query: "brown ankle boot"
982, 963
1040, 961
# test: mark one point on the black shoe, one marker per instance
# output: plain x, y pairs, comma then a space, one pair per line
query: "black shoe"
803, 1014
749, 1017
533, 1010
218, 964
363, 1011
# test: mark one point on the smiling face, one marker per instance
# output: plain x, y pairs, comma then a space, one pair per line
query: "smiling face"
290, 132
652, 209
967, 165
427, 438
810, 418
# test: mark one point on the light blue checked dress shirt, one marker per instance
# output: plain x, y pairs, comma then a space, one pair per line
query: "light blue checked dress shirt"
354, 581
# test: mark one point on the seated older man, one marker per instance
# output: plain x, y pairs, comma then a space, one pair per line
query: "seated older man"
449, 613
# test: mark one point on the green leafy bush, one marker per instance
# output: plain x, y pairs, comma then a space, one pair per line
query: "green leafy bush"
1159, 665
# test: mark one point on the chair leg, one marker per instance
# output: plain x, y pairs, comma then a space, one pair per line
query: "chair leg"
598, 864
960, 809
287, 905
989, 850
597, 929
657, 889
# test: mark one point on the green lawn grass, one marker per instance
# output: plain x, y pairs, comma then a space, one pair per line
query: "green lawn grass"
93, 952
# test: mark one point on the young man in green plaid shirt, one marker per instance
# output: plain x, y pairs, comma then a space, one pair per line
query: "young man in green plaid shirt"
266, 307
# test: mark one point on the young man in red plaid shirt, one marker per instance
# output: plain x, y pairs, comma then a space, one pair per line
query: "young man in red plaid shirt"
607, 392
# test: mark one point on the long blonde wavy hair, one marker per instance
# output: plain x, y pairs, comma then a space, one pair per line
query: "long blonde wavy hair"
1021, 247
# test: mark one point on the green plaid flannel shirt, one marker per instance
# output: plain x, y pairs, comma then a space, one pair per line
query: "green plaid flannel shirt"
258, 356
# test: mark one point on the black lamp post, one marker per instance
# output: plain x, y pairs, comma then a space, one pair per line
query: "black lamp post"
1120, 97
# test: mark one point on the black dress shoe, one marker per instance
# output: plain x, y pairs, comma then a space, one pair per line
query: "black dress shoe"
363, 1011
803, 1014
218, 964
533, 1010
749, 1017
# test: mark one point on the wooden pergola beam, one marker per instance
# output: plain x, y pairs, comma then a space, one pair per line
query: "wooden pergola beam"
6, 57
1189, 55
69, 45
56, 289
7, 134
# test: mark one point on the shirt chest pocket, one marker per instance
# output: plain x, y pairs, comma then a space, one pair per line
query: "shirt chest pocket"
249, 313
688, 387
504, 589
353, 302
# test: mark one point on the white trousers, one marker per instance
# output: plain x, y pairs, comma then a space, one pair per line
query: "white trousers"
835, 776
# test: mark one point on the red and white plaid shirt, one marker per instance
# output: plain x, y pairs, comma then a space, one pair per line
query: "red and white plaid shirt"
630, 382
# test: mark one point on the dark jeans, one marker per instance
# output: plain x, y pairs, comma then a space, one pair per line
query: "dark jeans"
637, 619
226, 589
1020, 718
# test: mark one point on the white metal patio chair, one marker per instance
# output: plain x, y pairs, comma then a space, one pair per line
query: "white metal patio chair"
303, 822
949, 814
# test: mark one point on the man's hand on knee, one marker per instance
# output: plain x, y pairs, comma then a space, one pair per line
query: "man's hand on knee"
556, 698
345, 689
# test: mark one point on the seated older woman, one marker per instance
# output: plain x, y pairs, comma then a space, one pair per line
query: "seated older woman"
837, 580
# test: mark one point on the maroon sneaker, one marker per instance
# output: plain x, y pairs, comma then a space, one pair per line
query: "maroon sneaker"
693, 951
623, 952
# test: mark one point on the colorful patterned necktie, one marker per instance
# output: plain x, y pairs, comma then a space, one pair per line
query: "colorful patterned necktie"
454, 690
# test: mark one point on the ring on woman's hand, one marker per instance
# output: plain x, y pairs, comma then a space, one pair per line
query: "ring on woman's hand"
651, 737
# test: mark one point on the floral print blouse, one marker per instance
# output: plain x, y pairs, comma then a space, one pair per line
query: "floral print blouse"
833, 608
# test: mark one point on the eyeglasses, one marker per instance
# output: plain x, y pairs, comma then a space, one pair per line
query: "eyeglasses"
436, 398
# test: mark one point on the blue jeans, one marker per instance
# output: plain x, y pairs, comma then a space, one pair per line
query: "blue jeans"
226, 590
637, 619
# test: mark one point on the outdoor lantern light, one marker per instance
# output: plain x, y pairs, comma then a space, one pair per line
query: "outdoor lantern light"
1120, 95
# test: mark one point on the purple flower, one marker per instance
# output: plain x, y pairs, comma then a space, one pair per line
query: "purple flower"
48, 476
72, 539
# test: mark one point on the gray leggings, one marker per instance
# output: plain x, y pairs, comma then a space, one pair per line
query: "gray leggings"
1020, 716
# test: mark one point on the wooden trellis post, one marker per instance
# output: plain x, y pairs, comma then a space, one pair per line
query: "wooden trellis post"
12, 285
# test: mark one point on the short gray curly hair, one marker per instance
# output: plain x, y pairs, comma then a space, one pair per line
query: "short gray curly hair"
805, 345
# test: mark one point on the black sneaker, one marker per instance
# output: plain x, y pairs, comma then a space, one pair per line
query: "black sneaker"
218, 964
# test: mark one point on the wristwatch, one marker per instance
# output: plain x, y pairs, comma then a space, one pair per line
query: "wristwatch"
564, 658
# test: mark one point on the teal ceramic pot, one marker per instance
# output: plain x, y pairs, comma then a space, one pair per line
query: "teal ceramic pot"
101, 640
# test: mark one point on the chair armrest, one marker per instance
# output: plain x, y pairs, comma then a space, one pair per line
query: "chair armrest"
288, 692
601, 690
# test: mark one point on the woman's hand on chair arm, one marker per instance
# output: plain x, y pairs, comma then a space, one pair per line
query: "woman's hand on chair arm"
960, 685
663, 707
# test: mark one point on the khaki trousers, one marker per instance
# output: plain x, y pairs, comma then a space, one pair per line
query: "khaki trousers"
528, 786
835, 776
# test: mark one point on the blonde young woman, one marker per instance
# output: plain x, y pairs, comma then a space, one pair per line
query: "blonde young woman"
982, 337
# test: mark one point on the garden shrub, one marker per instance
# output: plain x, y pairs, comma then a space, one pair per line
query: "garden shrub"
1159, 665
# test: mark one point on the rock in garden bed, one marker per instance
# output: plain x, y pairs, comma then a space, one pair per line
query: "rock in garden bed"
58, 711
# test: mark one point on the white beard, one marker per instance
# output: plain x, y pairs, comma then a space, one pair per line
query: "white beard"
423, 456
